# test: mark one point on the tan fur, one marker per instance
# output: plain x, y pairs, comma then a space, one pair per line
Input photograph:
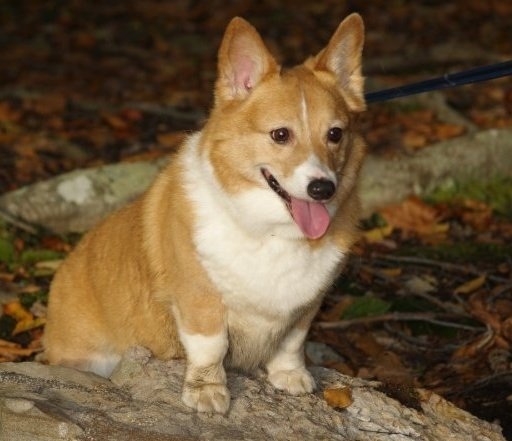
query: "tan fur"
139, 279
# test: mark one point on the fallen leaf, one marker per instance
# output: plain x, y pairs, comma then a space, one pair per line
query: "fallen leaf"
413, 215
55, 244
115, 122
341, 367
478, 308
28, 325
391, 272
7, 277
366, 306
131, 114
338, 397
7, 113
51, 265
170, 139
413, 140
471, 285
15, 352
446, 131
506, 329
389, 368
337, 310
377, 234
9, 344
421, 284
28, 289
15, 310
475, 347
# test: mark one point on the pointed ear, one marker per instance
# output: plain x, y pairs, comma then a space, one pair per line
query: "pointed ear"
342, 57
243, 61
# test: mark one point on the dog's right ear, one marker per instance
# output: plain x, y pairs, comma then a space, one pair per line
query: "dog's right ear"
243, 61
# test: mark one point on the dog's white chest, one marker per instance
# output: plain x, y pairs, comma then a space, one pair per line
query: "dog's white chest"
272, 275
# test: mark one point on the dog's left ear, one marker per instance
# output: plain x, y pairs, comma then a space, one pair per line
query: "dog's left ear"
343, 57
243, 61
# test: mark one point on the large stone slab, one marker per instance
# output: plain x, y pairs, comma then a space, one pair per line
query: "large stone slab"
142, 402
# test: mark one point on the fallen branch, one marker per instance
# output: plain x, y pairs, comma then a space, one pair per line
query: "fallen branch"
398, 316
447, 266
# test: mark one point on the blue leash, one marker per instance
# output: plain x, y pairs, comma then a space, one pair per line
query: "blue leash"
469, 76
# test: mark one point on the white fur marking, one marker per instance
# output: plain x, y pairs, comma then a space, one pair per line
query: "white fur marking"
311, 168
305, 116
204, 350
101, 364
290, 353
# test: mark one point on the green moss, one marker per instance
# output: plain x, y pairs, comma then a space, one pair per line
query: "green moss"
496, 192
366, 306
32, 256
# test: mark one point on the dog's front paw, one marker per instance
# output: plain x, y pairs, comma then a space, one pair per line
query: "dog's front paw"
210, 397
295, 382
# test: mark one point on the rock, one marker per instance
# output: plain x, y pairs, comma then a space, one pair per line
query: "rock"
318, 353
477, 156
74, 202
142, 402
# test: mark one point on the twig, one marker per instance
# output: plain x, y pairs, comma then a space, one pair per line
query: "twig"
417, 344
396, 316
13, 220
431, 262
447, 306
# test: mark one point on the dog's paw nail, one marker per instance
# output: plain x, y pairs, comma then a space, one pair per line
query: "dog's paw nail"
295, 382
207, 398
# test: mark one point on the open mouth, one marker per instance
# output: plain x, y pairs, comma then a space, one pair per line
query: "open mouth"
312, 218
274, 185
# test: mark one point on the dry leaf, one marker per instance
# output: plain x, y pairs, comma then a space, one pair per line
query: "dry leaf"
478, 308
378, 234
115, 122
8, 344
413, 215
17, 311
470, 350
28, 325
29, 289
445, 131
391, 272
414, 140
170, 139
337, 310
338, 397
15, 352
51, 265
470, 286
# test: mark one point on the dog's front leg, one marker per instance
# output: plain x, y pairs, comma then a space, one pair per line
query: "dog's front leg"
286, 369
203, 333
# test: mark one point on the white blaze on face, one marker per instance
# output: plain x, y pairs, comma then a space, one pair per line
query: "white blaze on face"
310, 169
305, 117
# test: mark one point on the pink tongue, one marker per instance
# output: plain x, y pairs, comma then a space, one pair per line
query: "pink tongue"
311, 217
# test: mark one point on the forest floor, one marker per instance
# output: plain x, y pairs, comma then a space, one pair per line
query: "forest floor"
426, 299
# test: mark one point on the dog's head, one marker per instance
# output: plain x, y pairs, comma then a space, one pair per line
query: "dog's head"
282, 143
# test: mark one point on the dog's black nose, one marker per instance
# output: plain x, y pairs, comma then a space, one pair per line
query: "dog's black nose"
321, 189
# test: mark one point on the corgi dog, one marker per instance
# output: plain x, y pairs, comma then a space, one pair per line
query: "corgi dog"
225, 259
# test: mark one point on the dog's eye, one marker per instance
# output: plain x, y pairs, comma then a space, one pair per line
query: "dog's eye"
281, 135
334, 134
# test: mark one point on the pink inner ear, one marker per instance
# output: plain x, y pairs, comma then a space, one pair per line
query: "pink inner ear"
244, 69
